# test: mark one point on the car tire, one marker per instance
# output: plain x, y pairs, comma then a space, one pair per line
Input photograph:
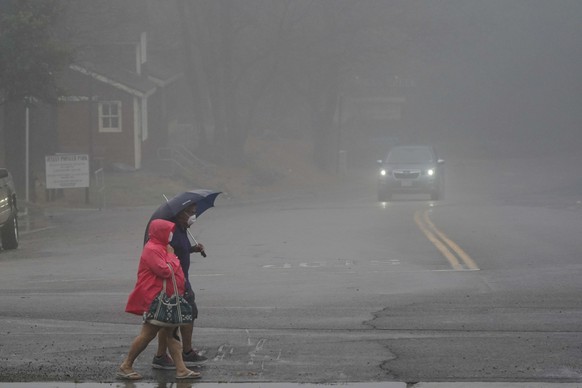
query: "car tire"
384, 195
381, 195
10, 233
436, 195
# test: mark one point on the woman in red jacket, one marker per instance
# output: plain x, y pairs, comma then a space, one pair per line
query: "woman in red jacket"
152, 271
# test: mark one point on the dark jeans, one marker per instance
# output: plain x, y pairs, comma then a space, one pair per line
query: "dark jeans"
191, 299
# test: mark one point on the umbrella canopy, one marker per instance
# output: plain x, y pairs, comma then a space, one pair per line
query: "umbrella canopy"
204, 200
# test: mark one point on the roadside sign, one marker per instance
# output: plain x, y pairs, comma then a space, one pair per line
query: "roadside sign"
67, 171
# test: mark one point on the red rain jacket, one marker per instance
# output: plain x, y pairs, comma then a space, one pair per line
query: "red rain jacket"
153, 269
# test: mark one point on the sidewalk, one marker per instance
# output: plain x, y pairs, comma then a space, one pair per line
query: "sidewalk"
202, 384
32, 220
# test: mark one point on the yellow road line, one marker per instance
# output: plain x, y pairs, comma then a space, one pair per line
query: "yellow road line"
444, 244
469, 262
437, 243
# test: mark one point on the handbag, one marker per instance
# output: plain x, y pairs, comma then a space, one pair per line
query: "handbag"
169, 311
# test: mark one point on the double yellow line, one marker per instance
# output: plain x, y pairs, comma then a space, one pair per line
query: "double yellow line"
451, 251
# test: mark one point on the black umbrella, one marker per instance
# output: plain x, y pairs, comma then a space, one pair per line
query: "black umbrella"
204, 200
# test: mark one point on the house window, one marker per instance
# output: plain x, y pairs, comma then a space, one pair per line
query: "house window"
110, 116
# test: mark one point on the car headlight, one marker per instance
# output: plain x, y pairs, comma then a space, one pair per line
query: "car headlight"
430, 172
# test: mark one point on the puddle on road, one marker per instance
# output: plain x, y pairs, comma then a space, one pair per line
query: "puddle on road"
27, 224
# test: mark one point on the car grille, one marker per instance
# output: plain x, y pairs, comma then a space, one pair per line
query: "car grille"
406, 174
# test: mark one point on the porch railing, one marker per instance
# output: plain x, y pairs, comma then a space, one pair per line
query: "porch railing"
183, 162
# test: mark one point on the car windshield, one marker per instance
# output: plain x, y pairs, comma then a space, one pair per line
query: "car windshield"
410, 155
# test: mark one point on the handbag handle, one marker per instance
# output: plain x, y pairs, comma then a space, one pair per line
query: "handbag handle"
173, 280
175, 286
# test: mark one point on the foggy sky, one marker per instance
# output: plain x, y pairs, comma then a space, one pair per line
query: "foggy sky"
506, 73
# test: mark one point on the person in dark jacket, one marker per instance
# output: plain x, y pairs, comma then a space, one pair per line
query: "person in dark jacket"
153, 269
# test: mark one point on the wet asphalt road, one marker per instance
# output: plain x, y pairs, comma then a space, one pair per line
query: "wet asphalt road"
322, 287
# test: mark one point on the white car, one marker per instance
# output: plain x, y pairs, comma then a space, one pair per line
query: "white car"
411, 169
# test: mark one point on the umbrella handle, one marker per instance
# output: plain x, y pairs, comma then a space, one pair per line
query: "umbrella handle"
195, 242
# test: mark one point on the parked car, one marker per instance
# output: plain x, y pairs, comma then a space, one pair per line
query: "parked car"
8, 211
411, 169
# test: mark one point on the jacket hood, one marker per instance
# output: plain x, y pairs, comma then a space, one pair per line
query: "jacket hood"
159, 231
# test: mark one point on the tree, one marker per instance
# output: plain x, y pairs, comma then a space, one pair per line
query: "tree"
30, 61
246, 57
231, 58
337, 39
